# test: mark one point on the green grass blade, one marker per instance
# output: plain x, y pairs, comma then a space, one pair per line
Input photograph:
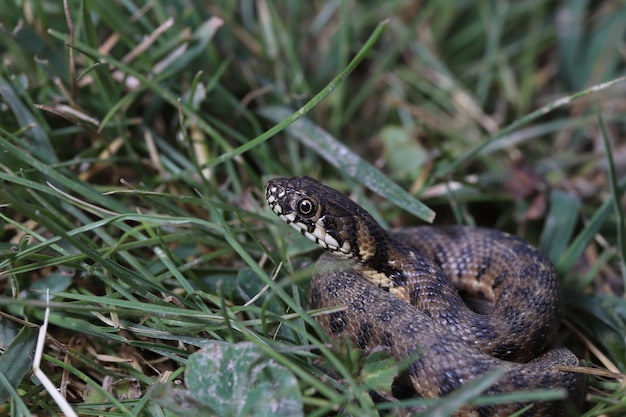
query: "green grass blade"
348, 162
560, 224
616, 194
535, 115
17, 360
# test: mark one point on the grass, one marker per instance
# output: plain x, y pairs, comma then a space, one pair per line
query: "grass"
136, 138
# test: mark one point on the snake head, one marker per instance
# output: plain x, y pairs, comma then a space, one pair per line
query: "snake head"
320, 213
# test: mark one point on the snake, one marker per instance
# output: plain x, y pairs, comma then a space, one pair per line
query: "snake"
459, 301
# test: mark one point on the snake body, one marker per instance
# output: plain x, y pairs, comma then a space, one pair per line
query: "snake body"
402, 291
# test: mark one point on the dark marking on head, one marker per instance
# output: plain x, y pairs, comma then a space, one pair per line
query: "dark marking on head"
334, 226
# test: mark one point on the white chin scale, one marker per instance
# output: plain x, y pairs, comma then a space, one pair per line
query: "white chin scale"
319, 235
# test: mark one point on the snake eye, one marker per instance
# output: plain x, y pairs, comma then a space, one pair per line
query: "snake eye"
307, 207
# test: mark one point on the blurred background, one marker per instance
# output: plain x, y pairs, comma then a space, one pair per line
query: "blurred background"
135, 141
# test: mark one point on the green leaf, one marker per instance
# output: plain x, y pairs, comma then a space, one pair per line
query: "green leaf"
560, 224
17, 359
238, 380
574, 251
405, 154
24, 117
179, 401
379, 371
616, 193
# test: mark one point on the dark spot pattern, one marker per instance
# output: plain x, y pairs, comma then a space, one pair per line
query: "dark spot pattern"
483, 267
387, 339
414, 294
449, 380
505, 350
359, 305
396, 276
385, 317
365, 335
441, 348
500, 279
337, 322
439, 255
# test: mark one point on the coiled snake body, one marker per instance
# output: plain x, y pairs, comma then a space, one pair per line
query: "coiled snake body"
410, 304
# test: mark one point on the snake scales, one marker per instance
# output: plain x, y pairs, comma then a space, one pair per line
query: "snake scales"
414, 306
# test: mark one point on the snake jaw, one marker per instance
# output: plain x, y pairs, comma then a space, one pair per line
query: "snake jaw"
318, 235
285, 197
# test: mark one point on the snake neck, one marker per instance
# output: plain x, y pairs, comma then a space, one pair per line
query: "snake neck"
382, 260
